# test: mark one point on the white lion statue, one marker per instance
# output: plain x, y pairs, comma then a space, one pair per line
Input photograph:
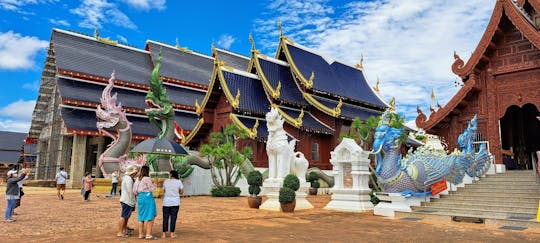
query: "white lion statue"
282, 160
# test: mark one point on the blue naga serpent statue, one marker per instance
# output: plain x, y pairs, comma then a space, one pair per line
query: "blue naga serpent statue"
414, 174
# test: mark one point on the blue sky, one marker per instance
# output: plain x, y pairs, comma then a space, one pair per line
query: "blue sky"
407, 44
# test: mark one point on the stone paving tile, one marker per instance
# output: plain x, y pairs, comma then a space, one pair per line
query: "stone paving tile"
44, 218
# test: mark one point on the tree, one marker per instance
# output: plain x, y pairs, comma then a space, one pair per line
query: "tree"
225, 160
362, 131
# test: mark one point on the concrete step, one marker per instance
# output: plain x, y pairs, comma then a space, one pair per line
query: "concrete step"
510, 209
488, 206
488, 194
497, 191
509, 199
510, 179
502, 186
525, 220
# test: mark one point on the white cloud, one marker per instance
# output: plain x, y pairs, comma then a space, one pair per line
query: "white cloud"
34, 86
15, 5
122, 39
407, 43
97, 12
225, 41
20, 109
14, 125
17, 51
60, 22
147, 4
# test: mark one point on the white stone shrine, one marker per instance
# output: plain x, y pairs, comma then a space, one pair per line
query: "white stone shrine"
351, 172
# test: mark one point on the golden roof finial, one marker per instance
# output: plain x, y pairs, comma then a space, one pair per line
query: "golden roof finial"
432, 93
177, 45
279, 27
96, 33
252, 42
198, 108
376, 88
214, 52
277, 91
298, 121
393, 104
236, 101
361, 64
337, 110
309, 83
254, 129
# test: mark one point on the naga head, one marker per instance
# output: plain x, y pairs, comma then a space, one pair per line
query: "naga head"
159, 104
274, 121
466, 139
108, 113
387, 135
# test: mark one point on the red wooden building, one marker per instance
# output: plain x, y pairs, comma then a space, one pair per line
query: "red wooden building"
501, 84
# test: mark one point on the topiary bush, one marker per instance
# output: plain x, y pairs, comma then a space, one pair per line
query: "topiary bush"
226, 191
292, 182
313, 178
255, 180
286, 195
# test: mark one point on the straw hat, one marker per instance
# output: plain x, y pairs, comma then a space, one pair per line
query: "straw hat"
132, 169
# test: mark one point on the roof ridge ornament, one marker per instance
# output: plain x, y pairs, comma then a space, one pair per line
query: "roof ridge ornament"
337, 110
376, 88
393, 104
253, 50
298, 121
106, 40
280, 28
236, 102
309, 83
361, 64
254, 128
277, 91
184, 49
198, 108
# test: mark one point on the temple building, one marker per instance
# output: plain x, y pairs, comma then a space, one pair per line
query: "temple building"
317, 96
501, 84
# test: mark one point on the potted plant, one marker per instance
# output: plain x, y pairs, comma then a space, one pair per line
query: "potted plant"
313, 178
287, 195
255, 180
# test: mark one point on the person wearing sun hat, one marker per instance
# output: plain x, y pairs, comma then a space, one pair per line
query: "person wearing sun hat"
13, 192
127, 199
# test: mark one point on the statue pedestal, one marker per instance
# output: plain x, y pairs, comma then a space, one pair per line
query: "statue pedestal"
391, 202
271, 189
353, 200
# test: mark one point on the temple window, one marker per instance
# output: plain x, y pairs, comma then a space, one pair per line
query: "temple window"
315, 151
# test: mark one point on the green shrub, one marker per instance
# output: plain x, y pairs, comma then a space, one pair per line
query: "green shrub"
313, 178
254, 190
286, 195
291, 181
226, 191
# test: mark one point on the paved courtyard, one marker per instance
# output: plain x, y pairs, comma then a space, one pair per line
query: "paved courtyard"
44, 218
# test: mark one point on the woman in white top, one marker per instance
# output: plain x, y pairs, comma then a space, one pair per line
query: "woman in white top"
114, 181
173, 188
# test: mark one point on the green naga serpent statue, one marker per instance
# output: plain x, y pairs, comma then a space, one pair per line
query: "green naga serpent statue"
160, 112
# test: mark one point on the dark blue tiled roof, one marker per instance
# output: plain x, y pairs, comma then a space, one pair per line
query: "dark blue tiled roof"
180, 65
262, 130
12, 140
349, 111
80, 54
308, 121
289, 90
234, 60
86, 120
252, 96
336, 78
83, 91
10, 156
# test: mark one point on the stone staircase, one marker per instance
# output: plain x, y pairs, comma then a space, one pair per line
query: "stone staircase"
509, 199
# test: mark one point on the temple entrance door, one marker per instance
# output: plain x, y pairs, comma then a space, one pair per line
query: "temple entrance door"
520, 136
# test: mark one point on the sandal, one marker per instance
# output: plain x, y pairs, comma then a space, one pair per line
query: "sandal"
122, 236
150, 238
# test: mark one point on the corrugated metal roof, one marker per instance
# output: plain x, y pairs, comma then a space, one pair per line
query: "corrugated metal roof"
334, 78
91, 92
9, 156
308, 121
79, 119
12, 140
275, 73
234, 60
181, 65
252, 95
349, 111
88, 56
